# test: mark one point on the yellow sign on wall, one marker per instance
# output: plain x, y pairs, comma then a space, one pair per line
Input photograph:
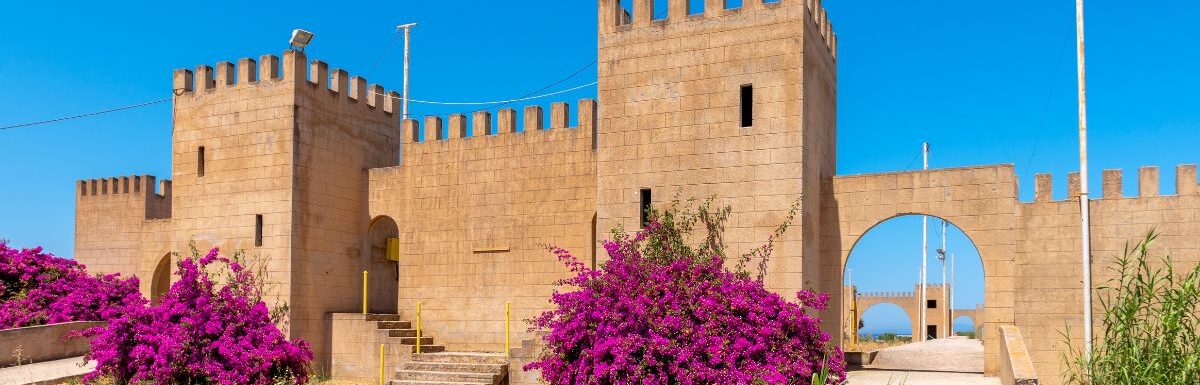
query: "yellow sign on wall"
393, 249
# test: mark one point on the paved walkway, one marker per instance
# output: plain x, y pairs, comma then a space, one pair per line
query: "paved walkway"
46, 373
893, 377
955, 354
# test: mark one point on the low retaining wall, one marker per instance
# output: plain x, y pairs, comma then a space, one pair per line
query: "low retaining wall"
355, 349
43, 343
1016, 367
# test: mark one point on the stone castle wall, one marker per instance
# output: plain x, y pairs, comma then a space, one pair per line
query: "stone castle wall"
475, 213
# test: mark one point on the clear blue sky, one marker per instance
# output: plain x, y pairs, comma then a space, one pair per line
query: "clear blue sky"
984, 81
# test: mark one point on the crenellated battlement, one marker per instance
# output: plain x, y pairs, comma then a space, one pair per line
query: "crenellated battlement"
1112, 184
887, 296
294, 68
135, 185
614, 19
455, 127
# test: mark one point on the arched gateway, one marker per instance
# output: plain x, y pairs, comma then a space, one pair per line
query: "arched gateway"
979, 200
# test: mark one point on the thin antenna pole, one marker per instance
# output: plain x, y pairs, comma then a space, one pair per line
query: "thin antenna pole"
952, 292
945, 289
924, 256
1084, 209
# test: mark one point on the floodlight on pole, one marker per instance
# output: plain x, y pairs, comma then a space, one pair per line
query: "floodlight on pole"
300, 39
406, 28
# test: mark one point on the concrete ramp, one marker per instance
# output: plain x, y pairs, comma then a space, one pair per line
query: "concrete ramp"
955, 354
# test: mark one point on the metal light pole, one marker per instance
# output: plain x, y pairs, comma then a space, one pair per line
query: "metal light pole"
407, 28
945, 295
1084, 210
951, 305
922, 330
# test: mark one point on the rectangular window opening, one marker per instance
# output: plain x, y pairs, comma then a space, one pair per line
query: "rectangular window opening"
258, 230
200, 162
625, 17
696, 7
747, 105
661, 9
932, 304
645, 207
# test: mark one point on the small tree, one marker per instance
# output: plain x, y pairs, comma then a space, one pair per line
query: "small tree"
211, 327
38, 288
665, 310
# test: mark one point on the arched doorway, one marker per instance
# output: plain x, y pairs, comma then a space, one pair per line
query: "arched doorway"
884, 267
978, 200
966, 326
160, 284
383, 274
885, 322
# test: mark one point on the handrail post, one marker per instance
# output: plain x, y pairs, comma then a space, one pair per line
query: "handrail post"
364, 297
380, 364
418, 328
507, 327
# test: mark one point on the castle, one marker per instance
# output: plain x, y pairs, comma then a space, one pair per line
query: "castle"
315, 173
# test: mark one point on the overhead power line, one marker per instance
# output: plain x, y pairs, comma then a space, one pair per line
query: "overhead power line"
530, 97
90, 114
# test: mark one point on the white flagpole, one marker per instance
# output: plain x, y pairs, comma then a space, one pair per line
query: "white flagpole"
1084, 209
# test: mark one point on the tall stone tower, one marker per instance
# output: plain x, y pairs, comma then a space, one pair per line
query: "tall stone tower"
269, 157
737, 103
274, 162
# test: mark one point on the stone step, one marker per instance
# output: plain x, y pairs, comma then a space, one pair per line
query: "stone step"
474, 358
432, 366
420, 375
385, 325
425, 341
405, 333
383, 317
426, 349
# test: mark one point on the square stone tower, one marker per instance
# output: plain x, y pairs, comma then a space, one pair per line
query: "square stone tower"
274, 162
737, 103
269, 157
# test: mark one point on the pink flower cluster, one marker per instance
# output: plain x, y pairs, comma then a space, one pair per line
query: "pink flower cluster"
208, 329
38, 289
684, 319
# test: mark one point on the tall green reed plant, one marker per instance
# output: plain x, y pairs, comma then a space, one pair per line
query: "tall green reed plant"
1151, 325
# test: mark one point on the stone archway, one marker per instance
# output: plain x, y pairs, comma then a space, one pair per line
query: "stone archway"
160, 283
978, 200
906, 301
383, 274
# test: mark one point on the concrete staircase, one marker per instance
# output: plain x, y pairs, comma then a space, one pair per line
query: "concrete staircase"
403, 333
453, 369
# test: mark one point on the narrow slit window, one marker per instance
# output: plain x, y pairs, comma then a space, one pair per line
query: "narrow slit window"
645, 207
258, 230
200, 161
748, 105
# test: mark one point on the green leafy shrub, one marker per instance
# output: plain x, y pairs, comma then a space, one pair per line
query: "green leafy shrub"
1151, 326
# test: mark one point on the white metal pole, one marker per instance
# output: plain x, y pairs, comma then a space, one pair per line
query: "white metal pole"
407, 29
924, 257
945, 294
1084, 210
952, 293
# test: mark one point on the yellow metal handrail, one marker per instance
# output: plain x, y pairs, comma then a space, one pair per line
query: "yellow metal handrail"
507, 326
364, 292
380, 364
418, 328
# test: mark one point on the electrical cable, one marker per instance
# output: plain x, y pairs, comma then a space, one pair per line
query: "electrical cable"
90, 114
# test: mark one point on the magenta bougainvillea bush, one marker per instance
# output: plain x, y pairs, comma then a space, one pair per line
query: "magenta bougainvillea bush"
212, 327
663, 310
37, 288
